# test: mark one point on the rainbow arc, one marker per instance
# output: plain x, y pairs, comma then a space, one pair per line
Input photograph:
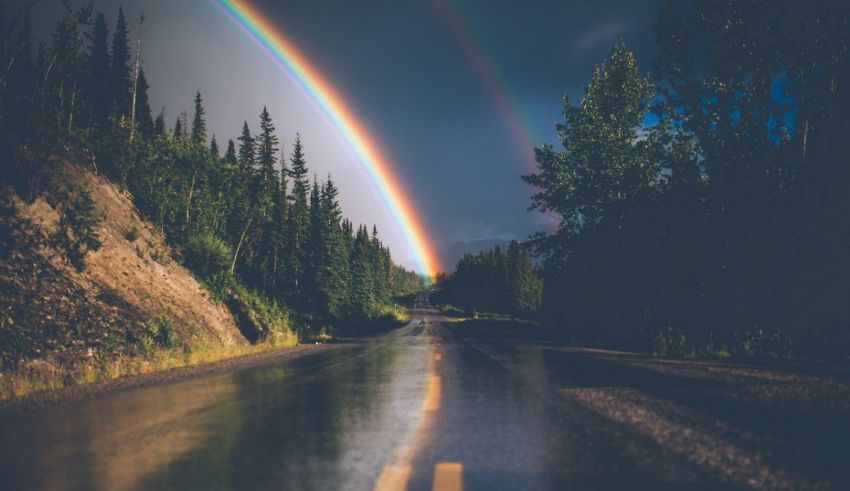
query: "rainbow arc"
343, 120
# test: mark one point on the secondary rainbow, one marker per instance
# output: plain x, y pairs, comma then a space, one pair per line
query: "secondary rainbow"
353, 132
462, 28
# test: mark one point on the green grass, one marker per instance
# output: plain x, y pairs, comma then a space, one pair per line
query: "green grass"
39, 375
394, 312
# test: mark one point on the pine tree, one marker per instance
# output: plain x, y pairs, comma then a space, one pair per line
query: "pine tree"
179, 131
267, 147
246, 153
279, 215
97, 73
120, 79
362, 299
20, 76
380, 268
214, 152
332, 271
144, 121
298, 220
78, 228
159, 124
199, 123
266, 202
230, 153
63, 74
314, 251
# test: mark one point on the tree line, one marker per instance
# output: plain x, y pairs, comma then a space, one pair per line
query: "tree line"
703, 207
237, 214
498, 280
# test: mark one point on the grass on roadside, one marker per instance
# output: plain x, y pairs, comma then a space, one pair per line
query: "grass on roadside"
38, 375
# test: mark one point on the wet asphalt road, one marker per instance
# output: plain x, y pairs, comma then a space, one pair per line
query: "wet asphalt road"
440, 406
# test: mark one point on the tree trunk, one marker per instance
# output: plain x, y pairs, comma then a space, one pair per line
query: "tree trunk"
239, 246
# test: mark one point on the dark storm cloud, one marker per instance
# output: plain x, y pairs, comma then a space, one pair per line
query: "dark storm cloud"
401, 68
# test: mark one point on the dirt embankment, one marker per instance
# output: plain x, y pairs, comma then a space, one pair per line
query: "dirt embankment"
57, 321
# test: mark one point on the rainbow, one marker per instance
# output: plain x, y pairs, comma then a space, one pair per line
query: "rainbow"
486, 69
343, 120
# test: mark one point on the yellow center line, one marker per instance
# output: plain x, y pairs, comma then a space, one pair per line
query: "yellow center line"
395, 475
448, 476
432, 397
393, 478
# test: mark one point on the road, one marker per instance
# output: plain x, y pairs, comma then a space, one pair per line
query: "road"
436, 405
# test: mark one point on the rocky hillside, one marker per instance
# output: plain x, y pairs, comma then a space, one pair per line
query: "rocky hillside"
127, 299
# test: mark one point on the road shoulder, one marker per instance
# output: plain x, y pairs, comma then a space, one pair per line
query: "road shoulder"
106, 387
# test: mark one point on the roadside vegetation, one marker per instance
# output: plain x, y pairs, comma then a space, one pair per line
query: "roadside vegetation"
501, 281
703, 206
267, 243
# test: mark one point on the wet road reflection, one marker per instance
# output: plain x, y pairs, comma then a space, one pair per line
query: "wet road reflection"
325, 421
440, 406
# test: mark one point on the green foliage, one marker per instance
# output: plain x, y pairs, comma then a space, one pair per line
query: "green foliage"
79, 225
604, 164
230, 216
119, 77
672, 341
157, 334
298, 220
724, 214
497, 280
131, 234
761, 342
199, 123
258, 317
207, 256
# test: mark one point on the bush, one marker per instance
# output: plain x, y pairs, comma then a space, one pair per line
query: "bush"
158, 334
78, 232
207, 256
671, 342
257, 317
131, 234
761, 342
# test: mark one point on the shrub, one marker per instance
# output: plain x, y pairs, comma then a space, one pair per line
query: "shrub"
131, 234
671, 342
761, 342
78, 232
165, 336
207, 256
158, 333
258, 317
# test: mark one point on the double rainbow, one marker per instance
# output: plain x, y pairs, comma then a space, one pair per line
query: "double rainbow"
353, 131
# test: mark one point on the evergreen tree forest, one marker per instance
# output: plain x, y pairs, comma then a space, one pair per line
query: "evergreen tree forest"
503, 281
703, 206
239, 213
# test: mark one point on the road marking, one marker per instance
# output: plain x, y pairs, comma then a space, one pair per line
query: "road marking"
393, 478
432, 397
448, 476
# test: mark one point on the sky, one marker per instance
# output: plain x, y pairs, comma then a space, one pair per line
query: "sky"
456, 92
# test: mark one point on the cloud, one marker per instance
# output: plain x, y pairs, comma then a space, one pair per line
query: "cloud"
601, 35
